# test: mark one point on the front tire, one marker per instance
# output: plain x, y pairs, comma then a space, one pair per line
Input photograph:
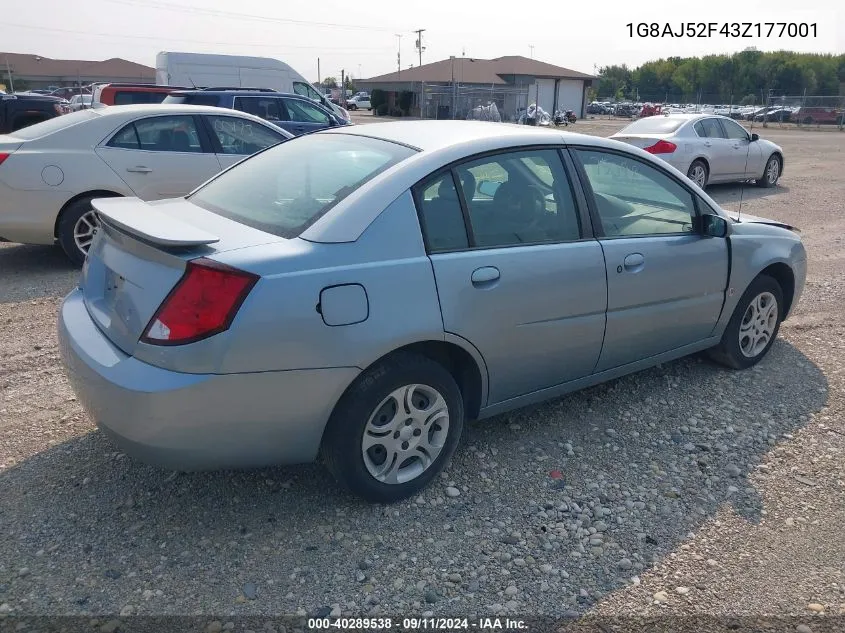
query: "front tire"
753, 327
76, 229
699, 173
771, 173
395, 429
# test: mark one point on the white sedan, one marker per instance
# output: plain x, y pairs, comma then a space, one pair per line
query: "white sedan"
708, 148
50, 172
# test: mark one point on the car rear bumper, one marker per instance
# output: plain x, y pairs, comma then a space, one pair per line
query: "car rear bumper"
29, 217
196, 421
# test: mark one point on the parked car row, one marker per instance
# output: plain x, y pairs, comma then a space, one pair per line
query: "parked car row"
359, 295
51, 171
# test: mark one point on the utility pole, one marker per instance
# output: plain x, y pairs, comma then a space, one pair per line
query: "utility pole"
343, 87
319, 79
11, 81
420, 46
531, 46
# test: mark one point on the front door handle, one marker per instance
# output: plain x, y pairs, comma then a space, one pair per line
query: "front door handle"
140, 169
707, 143
633, 263
485, 276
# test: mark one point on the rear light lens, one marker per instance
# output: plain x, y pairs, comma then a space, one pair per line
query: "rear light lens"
662, 147
203, 303
4, 156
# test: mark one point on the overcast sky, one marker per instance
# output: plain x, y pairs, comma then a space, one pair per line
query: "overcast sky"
360, 36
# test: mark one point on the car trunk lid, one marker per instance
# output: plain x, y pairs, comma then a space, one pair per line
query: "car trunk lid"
640, 140
141, 252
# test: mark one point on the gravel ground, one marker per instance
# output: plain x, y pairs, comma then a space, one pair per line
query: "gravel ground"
685, 489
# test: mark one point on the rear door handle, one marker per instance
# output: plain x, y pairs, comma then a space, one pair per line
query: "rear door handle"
633, 263
485, 276
140, 169
707, 143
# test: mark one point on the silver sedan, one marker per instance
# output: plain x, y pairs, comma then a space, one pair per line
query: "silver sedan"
708, 148
360, 293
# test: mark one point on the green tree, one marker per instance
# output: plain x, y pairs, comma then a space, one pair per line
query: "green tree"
330, 82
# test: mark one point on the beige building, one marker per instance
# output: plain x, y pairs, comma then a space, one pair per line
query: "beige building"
35, 71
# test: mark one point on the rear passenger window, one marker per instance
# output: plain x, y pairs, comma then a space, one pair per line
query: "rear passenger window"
519, 198
168, 134
709, 128
265, 107
127, 138
441, 215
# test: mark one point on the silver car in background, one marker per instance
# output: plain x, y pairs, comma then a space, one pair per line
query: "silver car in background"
708, 148
361, 292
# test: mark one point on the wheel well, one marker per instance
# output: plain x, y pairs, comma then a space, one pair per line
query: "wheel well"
88, 194
459, 363
703, 160
783, 274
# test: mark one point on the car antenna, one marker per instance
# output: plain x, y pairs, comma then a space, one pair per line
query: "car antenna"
744, 182
192, 83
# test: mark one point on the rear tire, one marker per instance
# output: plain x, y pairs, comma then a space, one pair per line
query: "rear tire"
753, 327
699, 173
76, 228
383, 449
771, 173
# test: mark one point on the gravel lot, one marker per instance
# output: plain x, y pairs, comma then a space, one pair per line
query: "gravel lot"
684, 489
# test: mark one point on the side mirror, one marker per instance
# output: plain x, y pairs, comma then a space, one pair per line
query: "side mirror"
755, 137
487, 187
714, 226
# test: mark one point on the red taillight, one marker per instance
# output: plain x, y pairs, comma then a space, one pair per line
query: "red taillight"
661, 147
203, 303
4, 156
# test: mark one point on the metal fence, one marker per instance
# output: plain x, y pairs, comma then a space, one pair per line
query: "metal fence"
764, 108
806, 111
456, 101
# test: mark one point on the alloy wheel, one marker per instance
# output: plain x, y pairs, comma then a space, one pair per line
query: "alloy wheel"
84, 229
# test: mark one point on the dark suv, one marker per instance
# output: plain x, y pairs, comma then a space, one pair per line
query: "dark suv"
23, 109
294, 113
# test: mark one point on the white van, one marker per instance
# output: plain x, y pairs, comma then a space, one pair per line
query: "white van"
236, 71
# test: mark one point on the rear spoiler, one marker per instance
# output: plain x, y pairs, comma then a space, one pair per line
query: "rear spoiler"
142, 220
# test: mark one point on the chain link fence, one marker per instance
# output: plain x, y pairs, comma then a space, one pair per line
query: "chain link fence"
805, 111
764, 108
457, 101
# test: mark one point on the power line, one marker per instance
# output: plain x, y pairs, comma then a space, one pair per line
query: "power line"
181, 39
166, 6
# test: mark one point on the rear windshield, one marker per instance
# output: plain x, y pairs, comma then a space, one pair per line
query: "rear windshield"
287, 188
204, 100
54, 125
654, 125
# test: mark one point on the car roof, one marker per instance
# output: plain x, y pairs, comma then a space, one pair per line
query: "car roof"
164, 108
